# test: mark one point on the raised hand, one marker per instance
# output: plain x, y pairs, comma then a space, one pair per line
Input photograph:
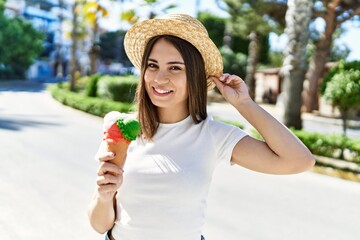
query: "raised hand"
233, 88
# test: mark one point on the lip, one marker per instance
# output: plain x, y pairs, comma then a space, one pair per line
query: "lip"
161, 92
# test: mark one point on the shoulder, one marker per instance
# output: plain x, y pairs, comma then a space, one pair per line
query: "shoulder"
218, 129
217, 124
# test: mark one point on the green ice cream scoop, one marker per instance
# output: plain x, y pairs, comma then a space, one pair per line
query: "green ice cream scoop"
129, 127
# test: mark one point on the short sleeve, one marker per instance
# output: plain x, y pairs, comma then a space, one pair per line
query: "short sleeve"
225, 137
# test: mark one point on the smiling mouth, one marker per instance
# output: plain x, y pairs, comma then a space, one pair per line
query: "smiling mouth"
161, 91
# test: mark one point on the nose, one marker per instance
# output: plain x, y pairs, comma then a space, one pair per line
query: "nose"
161, 78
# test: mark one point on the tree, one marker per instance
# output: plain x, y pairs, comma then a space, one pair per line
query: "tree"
333, 13
20, 44
341, 66
343, 91
156, 7
84, 11
74, 46
93, 11
112, 48
298, 17
234, 62
251, 19
215, 26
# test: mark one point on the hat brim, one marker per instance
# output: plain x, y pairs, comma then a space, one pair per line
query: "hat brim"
139, 34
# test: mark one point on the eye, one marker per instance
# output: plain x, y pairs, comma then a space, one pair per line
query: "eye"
175, 68
152, 65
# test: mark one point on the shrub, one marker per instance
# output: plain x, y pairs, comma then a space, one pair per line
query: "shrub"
343, 91
333, 146
234, 62
91, 85
95, 106
82, 82
117, 88
340, 67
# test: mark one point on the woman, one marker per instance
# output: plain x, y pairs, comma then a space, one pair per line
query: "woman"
161, 194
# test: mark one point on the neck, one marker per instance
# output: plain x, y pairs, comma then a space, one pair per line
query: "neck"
172, 115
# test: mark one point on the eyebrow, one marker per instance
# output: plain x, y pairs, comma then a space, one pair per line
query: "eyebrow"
171, 62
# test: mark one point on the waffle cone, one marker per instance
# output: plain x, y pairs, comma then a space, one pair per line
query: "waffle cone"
120, 149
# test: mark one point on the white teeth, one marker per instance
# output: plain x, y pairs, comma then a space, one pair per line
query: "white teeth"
161, 91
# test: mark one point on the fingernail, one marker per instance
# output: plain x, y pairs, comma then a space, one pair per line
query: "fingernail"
121, 170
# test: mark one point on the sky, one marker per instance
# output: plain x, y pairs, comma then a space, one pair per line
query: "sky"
350, 38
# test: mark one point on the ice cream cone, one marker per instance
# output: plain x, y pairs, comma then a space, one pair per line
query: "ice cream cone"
119, 131
120, 149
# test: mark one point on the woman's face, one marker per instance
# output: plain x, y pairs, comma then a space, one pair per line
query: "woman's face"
165, 78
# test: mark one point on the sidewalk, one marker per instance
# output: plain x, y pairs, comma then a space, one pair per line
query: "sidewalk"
311, 122
276, 110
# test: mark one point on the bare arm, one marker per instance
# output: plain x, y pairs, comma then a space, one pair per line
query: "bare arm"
103, 204
281, 152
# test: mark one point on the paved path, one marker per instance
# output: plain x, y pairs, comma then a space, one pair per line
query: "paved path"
47, 176
47, 169
311, 122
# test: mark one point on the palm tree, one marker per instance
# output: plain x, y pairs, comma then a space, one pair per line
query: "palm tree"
298, 17
93, 11
156, 8
74, 47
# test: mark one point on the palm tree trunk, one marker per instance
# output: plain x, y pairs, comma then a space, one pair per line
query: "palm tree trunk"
253, 58
344, 118
94, 51
294, 67
74, 38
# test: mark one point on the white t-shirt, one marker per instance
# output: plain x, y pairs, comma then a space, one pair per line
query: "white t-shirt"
166, 180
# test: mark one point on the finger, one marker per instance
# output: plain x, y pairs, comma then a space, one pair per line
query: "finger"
212, 77
218, 83
108, 179
106, 167
234, 81
232, 78
109, 188
106, 156
109, 183
224, 77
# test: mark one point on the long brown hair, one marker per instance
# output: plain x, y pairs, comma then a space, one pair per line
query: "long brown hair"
196, 84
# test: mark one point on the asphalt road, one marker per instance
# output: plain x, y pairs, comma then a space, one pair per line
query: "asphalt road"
47, 177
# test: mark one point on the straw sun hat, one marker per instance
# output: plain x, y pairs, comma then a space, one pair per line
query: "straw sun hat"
179, 25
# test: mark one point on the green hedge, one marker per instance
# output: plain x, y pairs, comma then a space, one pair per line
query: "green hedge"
117, 88
95, 106
327, 145
333, 146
